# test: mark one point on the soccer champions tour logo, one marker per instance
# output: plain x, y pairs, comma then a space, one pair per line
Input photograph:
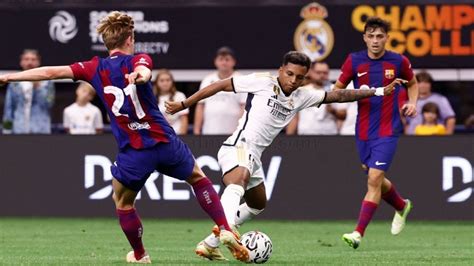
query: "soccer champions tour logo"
62, 27
314, 36
437, 30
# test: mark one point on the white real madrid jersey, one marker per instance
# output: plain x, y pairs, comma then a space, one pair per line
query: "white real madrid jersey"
267, 109
82, 119
215, 121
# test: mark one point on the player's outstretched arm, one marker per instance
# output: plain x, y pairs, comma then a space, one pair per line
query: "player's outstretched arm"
223, 85
354, 95
38, 74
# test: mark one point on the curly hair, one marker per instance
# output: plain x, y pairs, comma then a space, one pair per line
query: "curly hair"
115, 28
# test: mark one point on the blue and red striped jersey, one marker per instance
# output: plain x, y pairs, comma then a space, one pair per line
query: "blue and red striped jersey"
133, 110
377, 116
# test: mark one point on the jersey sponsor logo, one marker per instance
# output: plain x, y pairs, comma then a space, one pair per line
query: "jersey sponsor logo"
62, 27
389, 73
278, 110
379, 163
460, 191
138, 126
361, 74
314, 36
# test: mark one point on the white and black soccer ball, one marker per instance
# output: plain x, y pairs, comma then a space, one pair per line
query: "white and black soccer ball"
259, 245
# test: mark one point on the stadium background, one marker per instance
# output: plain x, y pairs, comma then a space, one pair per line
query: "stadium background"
72, 171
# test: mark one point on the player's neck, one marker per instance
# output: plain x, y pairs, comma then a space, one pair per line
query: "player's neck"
120, 50
375, 56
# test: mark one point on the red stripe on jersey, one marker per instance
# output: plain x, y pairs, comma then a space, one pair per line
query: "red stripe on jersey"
363, 116
156, 132
402, 97
386, 116
122, 121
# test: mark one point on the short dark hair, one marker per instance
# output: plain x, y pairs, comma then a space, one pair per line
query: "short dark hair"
424, 76
224, 51
430, 107
297, 58
373, 23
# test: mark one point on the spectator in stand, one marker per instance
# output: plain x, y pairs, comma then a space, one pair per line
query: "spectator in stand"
219, 115
165, 89
430, 125
27, 104
318, 120
446, 114
347, 123
82, 117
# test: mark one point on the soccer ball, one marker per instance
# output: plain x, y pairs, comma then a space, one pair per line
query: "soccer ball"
259, 245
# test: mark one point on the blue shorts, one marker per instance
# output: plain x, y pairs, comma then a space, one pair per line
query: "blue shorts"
377, 153
133, 167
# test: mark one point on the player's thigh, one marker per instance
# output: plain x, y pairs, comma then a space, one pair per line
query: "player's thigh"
256, 197
363, 149
382, 152
124, 197
236, 164
132, 167
175, 159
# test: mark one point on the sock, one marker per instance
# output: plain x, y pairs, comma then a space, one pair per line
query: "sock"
245, 213
209, 201
132, 227
366, 212
394, 199
231, 200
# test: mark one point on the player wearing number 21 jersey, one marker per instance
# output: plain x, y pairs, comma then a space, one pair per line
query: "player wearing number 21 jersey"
271, 104
146, 141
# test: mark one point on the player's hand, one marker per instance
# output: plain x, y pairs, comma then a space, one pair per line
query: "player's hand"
3, 79
391, 87
132, 77
409, 109
173, 107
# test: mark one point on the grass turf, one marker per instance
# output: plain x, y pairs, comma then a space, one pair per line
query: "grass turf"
100, 241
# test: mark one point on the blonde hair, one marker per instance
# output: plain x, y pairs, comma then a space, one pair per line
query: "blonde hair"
157, 89
115, 28
87, 86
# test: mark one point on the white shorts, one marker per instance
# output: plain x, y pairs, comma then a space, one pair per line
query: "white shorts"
230, 157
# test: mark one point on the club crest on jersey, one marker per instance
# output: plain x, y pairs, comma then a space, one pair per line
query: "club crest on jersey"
276, 90
389, 73
314, 36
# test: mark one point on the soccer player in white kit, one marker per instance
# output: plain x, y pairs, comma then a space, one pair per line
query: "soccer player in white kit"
271, 104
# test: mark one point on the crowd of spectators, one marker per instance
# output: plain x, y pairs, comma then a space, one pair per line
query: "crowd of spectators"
27, 106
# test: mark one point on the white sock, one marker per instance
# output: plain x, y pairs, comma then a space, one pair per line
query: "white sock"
245, 213
212, 241
230, 201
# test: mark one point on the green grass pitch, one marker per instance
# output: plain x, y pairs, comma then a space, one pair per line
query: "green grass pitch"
33, 241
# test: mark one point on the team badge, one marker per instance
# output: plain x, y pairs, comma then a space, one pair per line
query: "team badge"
314, 36
389, 73
276, 90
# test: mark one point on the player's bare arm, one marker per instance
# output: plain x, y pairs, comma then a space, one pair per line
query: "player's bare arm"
409, 108
354, 95
38, 74
140, 75
223, 85
339, 85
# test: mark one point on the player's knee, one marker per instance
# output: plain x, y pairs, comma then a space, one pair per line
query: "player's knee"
375, 180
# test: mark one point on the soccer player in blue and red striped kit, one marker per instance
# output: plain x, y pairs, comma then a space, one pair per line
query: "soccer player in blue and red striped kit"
146, 141
379, 121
